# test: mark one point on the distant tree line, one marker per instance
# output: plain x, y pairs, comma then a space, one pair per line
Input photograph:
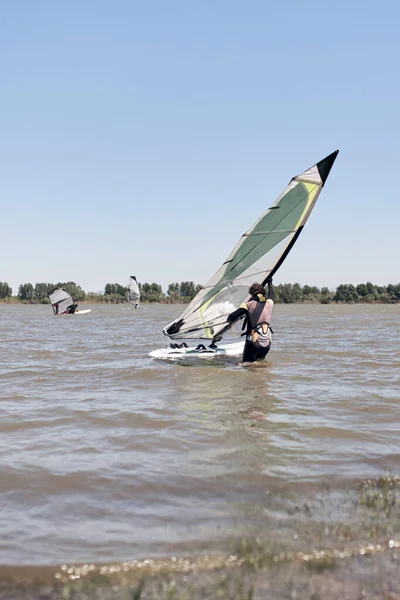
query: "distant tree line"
286, 293
150, 292
39, 294
368, 293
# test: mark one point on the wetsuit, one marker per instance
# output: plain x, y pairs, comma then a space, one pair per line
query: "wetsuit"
257, 311
71, 309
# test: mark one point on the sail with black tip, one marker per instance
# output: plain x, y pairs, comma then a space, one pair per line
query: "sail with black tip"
257, 256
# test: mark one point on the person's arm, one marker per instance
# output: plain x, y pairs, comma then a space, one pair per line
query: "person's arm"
237, 314
271, 291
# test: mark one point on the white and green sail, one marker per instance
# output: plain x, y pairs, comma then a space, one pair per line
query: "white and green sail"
258, 255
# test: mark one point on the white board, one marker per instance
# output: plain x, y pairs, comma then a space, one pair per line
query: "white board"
193, 352
77, 312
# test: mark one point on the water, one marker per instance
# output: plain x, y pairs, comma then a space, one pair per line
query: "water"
108, 455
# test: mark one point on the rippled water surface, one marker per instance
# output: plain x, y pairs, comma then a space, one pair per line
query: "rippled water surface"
107, 454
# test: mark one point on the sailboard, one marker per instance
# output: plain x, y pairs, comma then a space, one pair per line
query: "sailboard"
134, 291
61, 300
257, 256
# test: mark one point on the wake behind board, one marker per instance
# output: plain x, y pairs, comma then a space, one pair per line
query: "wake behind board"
199, 352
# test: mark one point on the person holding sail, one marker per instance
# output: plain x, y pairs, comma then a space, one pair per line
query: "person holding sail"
257, 312
71, 309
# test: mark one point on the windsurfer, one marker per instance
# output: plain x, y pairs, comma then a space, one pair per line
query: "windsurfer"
257, 312
71, 309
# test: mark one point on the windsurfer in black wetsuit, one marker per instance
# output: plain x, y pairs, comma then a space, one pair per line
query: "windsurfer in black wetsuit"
71, 309
257, 311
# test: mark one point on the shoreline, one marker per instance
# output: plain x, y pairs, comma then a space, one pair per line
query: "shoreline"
369, 571
354, 556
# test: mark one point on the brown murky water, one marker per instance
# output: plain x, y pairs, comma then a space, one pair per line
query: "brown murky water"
108, 455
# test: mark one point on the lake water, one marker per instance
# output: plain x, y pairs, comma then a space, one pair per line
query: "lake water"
109, 455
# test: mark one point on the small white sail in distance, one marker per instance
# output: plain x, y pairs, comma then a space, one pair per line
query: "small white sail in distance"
133, 290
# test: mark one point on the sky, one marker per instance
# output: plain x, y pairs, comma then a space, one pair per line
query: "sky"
144, 138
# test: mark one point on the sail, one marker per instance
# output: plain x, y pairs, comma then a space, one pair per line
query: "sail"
60, 300
133, 290
258, 255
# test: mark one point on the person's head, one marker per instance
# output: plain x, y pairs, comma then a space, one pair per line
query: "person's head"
256, 289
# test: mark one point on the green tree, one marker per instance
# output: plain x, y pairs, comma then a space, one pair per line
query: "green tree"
187, 290
25, 292
370, 287
341, 293
326, 296
115, 289
151, 292
386, 298
362, 291
311, 294
353, 293
42, 291
346, 293
5, 290
394, 292
173, 292
94, 297
173, 289
73, 289
285, 293
297, 292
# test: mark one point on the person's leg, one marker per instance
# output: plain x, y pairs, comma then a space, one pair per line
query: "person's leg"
261, 353
249, 352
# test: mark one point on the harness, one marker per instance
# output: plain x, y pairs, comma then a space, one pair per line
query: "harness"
260, 334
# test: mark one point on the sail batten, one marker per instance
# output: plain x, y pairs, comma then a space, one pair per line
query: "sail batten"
259, 253
268, 232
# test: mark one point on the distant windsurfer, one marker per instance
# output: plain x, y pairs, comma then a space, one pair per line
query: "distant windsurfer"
71, 309
257, 312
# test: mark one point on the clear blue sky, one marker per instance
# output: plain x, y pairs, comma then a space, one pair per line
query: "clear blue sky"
145, 137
